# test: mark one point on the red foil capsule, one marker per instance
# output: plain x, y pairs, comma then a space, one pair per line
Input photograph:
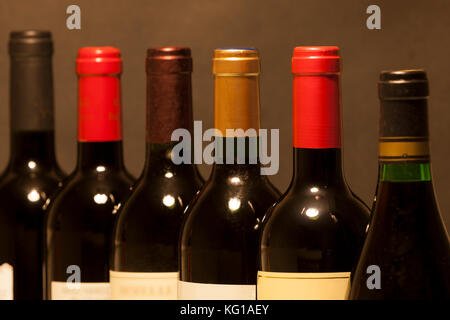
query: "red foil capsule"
99, 101
316, 98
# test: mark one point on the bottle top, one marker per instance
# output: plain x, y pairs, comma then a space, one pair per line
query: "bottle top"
169, 60
317, 59
236, 62
403, 109
403, 84
30, 43
98, 61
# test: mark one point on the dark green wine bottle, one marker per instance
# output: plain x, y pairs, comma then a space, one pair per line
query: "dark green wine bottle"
406, 254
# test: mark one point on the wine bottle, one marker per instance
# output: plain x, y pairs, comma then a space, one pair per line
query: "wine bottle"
312, 238
32, 174
219, 240
144, 262
80, 218
406, 254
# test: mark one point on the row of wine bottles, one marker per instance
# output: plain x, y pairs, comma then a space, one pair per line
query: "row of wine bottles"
101, 234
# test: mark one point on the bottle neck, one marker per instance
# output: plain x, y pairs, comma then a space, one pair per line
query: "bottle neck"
169, 105
321, 167
236, 103
404, 152
31, 113
237, 117
99, 108
99, 123
31, 93
317, 111
158, 160
32, 150
405, 172
100, 156
317, 130
236, 157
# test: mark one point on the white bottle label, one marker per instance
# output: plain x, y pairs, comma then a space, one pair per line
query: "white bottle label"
143, 285
80, 291
6, 281
303, 286
207, 291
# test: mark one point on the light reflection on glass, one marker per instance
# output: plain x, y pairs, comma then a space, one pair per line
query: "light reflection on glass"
31, 164
333, 217
312, 213
46, 204
256, 227
116, 208
33, 195
235, 180
168, 175
168, 200
314, 189
100, 169
100, 198
234, 204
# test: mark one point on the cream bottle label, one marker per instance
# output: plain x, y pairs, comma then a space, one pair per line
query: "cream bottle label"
303, 286
61, 290
143, 285
207, 291
6, 281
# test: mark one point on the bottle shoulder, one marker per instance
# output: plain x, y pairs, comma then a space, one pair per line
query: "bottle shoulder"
89, 192
16, 187
22, 197
317, 209
405, 219
149, 190
224, 205
11, 177
151, 198
412, 256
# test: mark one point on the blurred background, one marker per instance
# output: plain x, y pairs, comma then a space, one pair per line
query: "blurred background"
414, 34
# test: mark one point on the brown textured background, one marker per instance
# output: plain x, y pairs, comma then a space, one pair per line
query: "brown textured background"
414, 34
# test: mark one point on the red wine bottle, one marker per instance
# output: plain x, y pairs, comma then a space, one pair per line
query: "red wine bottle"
407, 253
219, 240
312, 238
80, 218
144, 262
32, 174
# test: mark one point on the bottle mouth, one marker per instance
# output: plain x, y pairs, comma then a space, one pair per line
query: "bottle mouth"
30, 43
235, 52
404, 75
168, 60
169, 52
316, 59
99, 61
236, 61
403, 84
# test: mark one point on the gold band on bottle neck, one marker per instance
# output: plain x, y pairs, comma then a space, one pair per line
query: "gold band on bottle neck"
394, 149
236, 62
236, 90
